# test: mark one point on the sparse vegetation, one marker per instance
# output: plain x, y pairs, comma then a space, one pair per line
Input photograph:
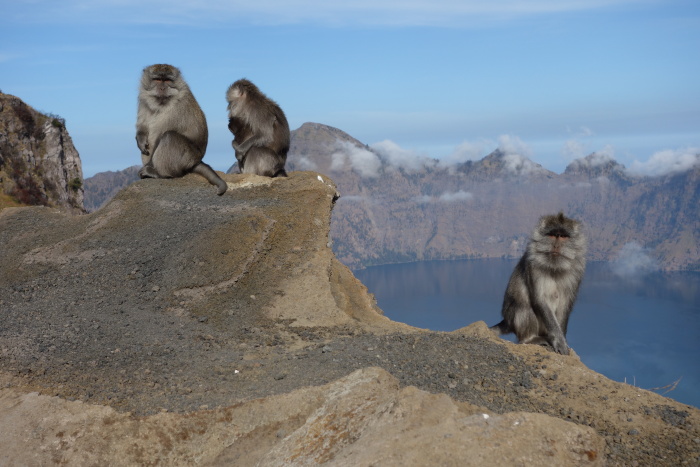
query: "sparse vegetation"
56, 120
75, 184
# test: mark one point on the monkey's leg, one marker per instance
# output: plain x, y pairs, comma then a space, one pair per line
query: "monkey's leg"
254, 141
207, 172
265, 162
174, 155
240, 158
147, 171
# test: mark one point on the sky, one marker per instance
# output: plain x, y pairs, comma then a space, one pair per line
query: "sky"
452, 80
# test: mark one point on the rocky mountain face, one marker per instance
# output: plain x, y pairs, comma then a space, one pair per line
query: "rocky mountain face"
38, 163
396, 207
177, 327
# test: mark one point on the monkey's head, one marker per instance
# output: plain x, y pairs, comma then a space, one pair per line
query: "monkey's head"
161, 82
557, 242
238, 91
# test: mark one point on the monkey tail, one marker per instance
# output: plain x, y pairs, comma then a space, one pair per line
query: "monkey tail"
207, 172
501, 328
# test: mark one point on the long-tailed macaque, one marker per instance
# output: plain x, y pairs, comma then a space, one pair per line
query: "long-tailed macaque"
260, 130
171, 130
543, 287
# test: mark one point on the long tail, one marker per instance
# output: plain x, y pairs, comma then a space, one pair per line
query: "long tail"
501, 328
207, 172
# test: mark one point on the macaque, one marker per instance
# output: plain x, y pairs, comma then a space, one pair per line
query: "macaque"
260, 130
171, 130
543, 287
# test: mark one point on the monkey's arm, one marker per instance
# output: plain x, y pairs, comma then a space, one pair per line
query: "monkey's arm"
555, 335
546, 316
263, 137
244, 146
142, 141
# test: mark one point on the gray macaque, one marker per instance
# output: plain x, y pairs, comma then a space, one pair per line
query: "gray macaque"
543, 287
260, 130
171, 130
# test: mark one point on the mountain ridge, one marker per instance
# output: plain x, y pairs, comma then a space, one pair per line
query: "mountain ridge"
396, 207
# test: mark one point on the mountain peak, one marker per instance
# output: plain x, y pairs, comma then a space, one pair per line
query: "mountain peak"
595, 165
500, 162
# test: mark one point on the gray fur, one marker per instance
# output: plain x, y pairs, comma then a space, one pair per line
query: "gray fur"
171, 130
543, 287
260, 129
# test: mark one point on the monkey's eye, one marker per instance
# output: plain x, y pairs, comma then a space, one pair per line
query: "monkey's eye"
558, 233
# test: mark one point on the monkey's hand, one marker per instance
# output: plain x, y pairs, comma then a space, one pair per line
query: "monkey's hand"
244, 146
238, 147
142, 143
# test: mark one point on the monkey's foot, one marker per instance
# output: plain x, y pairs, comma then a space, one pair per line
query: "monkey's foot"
148, 172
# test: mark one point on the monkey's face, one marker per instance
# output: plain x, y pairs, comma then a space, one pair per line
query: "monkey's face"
234, 96
557, 241
160, 81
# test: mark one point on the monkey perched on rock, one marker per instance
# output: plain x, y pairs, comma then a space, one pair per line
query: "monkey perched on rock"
260, 130
171, 130
543, 287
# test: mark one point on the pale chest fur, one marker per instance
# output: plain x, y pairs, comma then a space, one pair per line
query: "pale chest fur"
554, 293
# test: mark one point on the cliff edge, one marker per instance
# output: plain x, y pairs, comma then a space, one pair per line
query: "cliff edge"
174, 326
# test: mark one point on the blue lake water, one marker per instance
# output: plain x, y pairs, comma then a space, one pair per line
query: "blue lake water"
643, 331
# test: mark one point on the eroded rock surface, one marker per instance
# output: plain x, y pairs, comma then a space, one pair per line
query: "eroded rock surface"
176, 326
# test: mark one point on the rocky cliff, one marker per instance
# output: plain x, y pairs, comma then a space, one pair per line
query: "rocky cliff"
174, 326
38, 163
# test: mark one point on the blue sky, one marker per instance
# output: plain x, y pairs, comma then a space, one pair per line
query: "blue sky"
445, 79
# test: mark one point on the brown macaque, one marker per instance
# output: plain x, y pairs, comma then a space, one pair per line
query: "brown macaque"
260, 130
171, 130
543, 287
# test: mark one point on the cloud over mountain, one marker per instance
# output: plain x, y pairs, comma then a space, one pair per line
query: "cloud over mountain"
667, 162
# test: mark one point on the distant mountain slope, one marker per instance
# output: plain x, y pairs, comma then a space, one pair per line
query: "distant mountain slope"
395, 207
400, 209
102, 187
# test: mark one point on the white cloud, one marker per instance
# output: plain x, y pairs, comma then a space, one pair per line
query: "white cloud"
457, 196
516, 156
398, 157
581, 132
573, 149
519, 165
305, 163
597, 159
446, 197
669, 161
512, 145
465, 151
633, 261
365, 162
359, 12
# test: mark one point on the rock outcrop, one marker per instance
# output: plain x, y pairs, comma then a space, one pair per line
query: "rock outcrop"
175, 326
38, 163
